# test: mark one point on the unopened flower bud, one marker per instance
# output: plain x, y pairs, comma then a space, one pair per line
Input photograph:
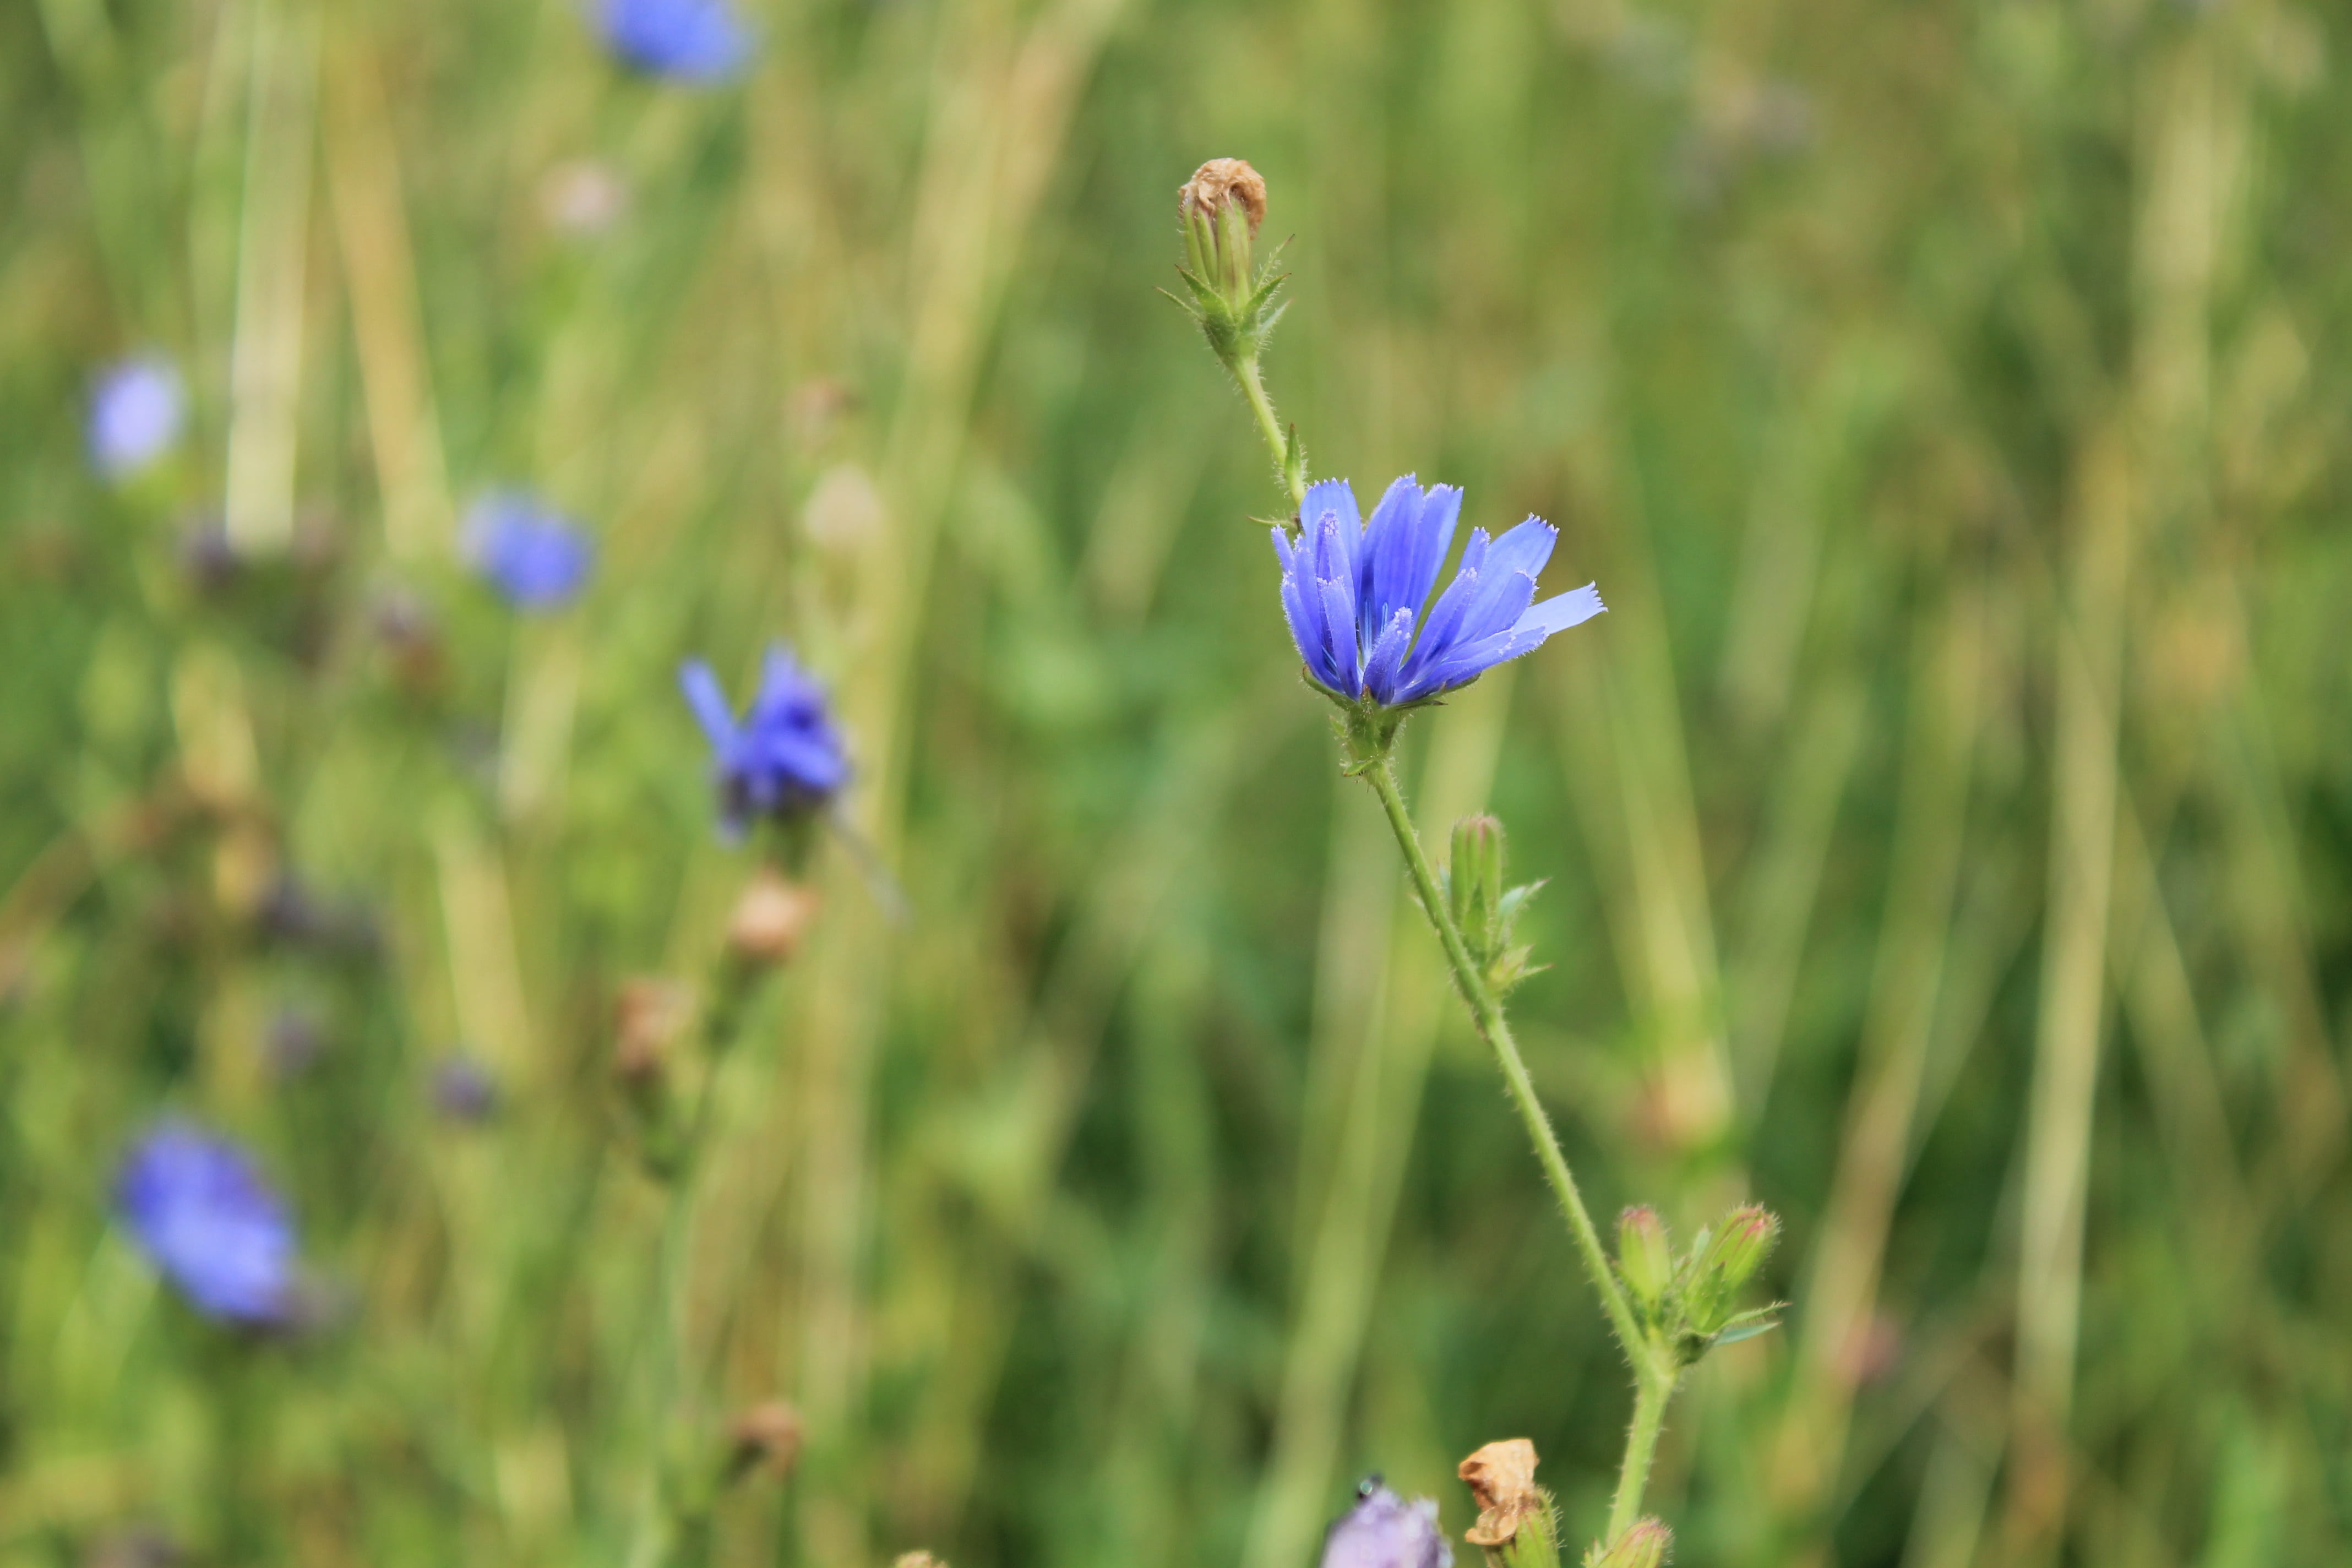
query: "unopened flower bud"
771, 919
1644, 1255
1646, 1544
917, 1559
1474, 880
1233, 299
1740, 1245
767, 1438
1223, 204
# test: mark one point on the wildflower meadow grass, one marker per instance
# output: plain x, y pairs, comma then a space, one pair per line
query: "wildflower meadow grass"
675, 886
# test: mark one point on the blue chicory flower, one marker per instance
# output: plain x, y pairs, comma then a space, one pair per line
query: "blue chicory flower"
199, 1209
689, 41
1383, 1531
1353, 593
786, 756
136, 412
536, 557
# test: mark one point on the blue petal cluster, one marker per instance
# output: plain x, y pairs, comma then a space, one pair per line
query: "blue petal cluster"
690, 40
536, 557
198, 1208
786, 756
1353, 592
1383, 1531
135, 411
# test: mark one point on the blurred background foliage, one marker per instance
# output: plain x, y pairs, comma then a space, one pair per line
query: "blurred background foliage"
1949, 829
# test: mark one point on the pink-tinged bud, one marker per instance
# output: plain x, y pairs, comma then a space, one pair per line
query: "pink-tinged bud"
1741, 1244
1645, 1256
917, 1559
1646, 1544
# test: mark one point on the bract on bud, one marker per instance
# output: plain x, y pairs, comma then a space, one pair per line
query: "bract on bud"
770, 918
1646, 1544
1740, 1245
1475, 881
1645, 1257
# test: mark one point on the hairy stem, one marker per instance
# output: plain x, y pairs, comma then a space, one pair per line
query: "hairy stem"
1487, 1013
1653, 1387
1253, 385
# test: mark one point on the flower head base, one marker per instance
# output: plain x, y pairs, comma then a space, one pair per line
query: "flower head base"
134, 416
784, 758
1383, 1531
686, 40
197, 1206
537, 558
1353, 592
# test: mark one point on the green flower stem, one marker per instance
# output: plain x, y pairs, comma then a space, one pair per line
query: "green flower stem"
1253, 385
1486, 1012
680, 1511
1654, 1373
1653, 1385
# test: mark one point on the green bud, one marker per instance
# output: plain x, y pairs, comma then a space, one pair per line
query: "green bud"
1475, 884
1646, 1544
1724, 1258
1644, 1255
1740, 1246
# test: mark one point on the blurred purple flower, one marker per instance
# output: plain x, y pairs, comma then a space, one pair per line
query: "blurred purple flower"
536, 557
134, 415
463, 1090
1383, 1531
1353, 593
784, 757
199, 1209
689, 41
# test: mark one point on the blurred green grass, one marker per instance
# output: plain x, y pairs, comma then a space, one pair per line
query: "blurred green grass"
1947, 829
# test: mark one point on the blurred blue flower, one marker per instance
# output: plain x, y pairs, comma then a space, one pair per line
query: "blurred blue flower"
786, 756
134, 415
1353, 593
536, 557
1383, 1531
463, 1090
199, 1209
690, 40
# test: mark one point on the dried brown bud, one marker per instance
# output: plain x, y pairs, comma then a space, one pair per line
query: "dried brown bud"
771, 919
1220, 180
1502, 1477
648, 1016
767, 1438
